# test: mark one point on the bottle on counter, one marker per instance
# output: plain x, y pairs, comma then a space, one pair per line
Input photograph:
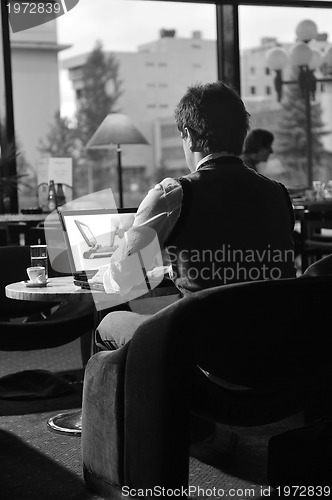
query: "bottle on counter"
42, 196
60, 195
51, 199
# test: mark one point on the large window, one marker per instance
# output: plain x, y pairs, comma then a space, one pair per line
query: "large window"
137, 57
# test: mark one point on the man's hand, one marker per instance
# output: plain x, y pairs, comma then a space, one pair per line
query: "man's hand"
98, 277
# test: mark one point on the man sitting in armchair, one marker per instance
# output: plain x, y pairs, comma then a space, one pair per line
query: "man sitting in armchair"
222, 223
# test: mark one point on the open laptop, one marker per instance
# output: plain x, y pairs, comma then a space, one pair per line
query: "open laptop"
92, 236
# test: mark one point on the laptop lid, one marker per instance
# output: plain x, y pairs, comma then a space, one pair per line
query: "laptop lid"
92, 236
86, 232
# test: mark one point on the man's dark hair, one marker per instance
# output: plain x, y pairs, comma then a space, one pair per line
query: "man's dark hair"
258, 138
215, 116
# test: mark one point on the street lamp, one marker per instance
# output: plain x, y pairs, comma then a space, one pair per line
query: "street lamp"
306, 59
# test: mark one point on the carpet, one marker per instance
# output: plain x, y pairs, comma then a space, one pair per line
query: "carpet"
243, 473
38, 464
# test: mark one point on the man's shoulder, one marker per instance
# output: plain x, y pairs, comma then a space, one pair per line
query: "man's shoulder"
165, 196
166, 185
272, 182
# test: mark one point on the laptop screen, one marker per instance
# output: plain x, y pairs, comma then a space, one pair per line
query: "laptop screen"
92, 236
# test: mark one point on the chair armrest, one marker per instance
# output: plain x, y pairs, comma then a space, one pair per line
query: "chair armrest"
157, 399
103, 416
135, 405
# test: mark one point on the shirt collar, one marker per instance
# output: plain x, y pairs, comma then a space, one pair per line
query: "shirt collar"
209, 157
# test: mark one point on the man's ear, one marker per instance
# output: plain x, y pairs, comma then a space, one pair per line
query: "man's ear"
191, 140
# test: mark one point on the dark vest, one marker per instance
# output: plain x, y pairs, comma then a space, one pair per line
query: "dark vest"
235, 225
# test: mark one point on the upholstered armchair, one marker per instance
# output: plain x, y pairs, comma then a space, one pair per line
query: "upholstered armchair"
245, 354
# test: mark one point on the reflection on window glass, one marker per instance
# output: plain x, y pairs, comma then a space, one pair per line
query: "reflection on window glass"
262, 28
133, 57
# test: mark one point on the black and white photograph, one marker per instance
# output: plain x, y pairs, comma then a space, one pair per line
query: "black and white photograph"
165, 249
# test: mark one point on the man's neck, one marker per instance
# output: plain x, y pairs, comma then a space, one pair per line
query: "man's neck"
211, 156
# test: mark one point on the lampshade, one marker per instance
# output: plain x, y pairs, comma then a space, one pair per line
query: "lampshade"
276, 58
300, 54
115, 129
327, 57
306, 30
316, 59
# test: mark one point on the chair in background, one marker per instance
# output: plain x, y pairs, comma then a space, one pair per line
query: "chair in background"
3, 236
315, 244
246, 354
17, 233
36, 235
38, 325
321, 267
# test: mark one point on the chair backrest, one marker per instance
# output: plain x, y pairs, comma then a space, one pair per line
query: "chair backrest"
256, 334
17, 232
316, 217
266, 332
36, 236
322, 267
3, 236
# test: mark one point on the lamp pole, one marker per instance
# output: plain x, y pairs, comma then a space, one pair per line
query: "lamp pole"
308, 131
118, 150
306, 60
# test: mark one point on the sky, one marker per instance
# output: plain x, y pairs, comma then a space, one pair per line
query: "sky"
122, 25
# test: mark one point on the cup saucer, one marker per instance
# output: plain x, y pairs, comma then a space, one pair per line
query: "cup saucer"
33, 284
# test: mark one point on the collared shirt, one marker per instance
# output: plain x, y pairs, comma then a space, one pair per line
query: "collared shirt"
209, 157
159, 211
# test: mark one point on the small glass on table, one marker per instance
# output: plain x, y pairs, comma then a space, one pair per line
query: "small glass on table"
318, 187
38, 257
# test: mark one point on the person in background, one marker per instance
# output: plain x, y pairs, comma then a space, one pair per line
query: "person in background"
222, 223
257, 147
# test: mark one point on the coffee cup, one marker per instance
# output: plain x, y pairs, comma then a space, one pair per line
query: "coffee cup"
36, 274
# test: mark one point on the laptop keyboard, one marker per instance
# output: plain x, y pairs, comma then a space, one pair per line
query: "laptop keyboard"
105, 249
85, 275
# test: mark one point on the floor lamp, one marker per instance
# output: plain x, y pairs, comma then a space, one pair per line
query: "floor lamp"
116, 129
